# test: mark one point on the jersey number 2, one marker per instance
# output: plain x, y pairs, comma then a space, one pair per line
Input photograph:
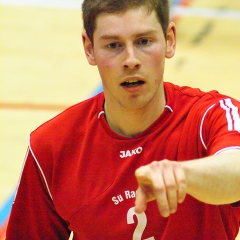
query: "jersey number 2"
142, 223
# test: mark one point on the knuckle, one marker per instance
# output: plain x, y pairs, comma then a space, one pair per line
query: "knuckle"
171, 185
153, 165
159, 189
160, 164
182, 182
165, 164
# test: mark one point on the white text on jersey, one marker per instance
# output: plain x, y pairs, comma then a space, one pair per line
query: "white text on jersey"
121, 197
129, 153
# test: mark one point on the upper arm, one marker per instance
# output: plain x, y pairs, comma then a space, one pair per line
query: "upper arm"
33, 215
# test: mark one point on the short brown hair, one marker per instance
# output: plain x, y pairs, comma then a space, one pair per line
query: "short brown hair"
91, 9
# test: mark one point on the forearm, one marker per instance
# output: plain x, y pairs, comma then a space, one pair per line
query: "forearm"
215, 179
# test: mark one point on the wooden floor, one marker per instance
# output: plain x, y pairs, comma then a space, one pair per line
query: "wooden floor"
43, 69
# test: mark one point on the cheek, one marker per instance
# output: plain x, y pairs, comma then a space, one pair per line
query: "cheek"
156, 57
103, 63
107, 66
105, 70
156, 64
159, 56
104, 67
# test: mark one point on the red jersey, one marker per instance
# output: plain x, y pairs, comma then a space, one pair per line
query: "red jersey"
79, 174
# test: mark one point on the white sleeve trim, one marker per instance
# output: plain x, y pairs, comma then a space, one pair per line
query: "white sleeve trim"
45, 180
20, 175
201, 126
227, 148
232, 115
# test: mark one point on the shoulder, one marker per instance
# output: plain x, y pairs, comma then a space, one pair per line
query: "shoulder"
185, 97
69, 123
210, 118
175, 91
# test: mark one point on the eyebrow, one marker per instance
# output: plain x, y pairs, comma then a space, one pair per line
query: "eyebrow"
146, 33
116, 37
106, 37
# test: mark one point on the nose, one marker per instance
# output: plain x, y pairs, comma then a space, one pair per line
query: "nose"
131, 60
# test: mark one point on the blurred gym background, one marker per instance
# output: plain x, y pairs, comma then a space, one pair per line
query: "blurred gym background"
43, 69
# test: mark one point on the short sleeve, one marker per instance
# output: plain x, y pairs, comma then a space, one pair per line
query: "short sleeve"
220, 126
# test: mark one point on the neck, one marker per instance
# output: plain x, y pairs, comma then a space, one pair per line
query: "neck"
130, 122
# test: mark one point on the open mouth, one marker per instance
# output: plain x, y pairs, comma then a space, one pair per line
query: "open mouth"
132, 83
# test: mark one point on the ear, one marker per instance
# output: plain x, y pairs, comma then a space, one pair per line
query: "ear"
170, 40
88, 48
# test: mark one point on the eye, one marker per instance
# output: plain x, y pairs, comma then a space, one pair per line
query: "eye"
144, 41
114, 45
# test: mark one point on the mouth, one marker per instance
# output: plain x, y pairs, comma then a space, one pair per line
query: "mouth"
132, 83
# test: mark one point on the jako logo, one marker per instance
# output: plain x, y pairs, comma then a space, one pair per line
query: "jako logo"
129, 153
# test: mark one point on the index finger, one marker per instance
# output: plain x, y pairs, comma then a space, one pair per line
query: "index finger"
144, 191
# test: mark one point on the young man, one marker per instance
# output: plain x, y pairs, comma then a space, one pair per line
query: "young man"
177, 146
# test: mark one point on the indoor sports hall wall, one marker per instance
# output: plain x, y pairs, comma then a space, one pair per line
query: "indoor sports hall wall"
43, 69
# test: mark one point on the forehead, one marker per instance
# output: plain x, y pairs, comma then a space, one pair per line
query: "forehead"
133, 21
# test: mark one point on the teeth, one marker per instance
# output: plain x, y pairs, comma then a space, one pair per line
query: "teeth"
132, 81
